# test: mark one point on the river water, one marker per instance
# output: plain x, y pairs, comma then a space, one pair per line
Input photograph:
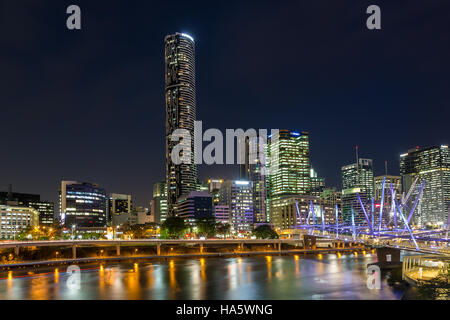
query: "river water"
326, 276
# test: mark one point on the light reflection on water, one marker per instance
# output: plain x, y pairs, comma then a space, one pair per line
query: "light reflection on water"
272, 277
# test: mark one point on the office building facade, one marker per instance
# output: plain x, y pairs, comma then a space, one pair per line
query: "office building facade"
289, 169
432, 165
158, 205
238, 196
195, 205
14, 219
46, 209
82, 205
357, 178
294, 211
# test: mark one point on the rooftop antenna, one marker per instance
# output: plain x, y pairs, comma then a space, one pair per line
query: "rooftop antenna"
385, 167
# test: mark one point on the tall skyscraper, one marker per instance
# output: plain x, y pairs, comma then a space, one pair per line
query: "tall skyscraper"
291, 176
432, 165
179, 56
82, 204
356, 178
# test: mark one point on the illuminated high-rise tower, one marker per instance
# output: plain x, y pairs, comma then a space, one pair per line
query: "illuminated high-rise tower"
431, 164
291, 174
179, 57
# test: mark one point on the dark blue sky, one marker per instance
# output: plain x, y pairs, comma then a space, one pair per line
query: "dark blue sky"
89, 105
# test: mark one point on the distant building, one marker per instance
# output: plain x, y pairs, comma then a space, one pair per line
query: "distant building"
119, 204
238, 196
214, 189
357, 178
158, 204
334, 196
253, 170
289, 165
46, 209
82, 205
432, 165
396, 182
196, 205
294, 210
317, 184
222, 213
143, 215
14, 219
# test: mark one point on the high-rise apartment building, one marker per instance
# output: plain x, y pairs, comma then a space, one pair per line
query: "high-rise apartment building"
357, 178
82, 204
289, 168
179, 57
432, 165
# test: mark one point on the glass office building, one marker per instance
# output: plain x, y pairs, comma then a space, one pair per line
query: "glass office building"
432, 165
289, 169
357, 178
82, 205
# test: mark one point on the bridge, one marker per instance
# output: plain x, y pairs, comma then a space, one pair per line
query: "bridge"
390, 225
238, 243
152, 249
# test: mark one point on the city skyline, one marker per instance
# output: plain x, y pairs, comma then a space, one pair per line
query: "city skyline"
64, 152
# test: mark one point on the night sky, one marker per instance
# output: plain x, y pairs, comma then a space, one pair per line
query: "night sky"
89, 105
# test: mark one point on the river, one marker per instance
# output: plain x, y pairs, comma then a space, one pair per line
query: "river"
264, 277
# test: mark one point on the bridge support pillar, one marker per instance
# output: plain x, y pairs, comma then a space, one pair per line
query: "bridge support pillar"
279, 246
158, 249
74, 251
118, 249
16, 250
201, 247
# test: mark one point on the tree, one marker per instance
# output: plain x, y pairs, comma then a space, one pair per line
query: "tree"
223, 228
265, 232
206, 227
173, 228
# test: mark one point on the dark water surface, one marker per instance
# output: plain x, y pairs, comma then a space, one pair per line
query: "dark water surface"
271, 277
